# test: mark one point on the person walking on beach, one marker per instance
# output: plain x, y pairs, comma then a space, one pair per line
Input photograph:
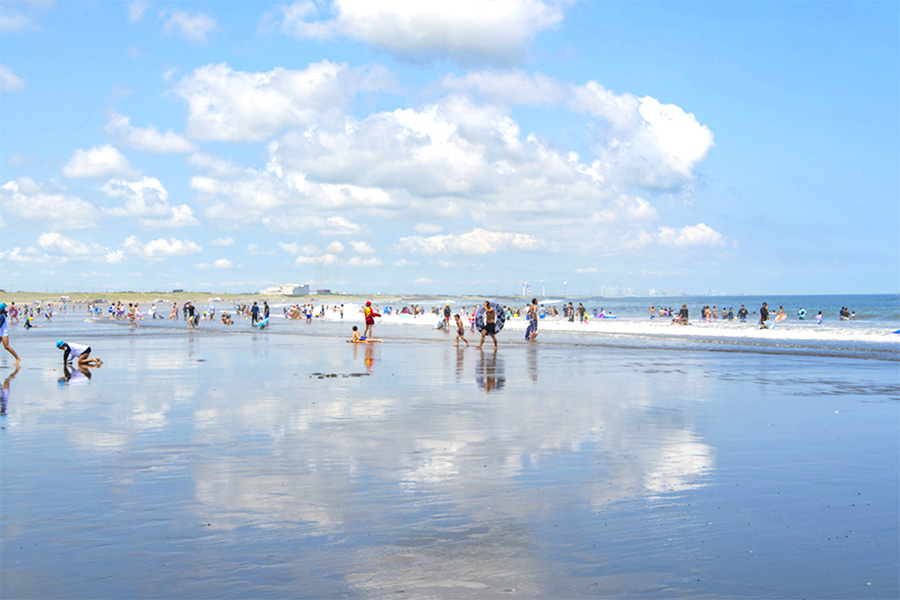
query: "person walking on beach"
532, 315
460, 331
254, 314
490, 324
79, 352
370, 315
4, 333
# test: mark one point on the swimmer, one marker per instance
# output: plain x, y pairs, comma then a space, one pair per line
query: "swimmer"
361, 339
4, 333
80, 353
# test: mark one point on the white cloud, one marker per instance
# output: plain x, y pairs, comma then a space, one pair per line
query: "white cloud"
216, 166
586, 270
102, 161
322, 259
147, 200
362, 248
9, 81
62, 248
47, 203
641, 141
222, 263
56, 242
359, 261
194, 28
148, 138
161, 248
335, 247
225, 241
136, 10
467, 31
423, 280
16, 17
477, 241
690, 236
340, 226
427, 228
239, 106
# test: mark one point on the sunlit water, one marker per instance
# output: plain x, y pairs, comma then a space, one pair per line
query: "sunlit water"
228, 462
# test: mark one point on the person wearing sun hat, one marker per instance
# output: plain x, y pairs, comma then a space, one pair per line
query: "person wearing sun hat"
4, 333
79, 352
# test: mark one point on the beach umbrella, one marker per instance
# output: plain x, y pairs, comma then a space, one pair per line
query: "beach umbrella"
498, 321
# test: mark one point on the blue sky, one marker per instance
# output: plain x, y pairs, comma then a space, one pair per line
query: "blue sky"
450, 148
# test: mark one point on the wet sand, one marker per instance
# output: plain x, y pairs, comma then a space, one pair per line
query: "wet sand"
213, 465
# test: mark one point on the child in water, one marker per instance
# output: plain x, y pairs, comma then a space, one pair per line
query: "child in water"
460, 331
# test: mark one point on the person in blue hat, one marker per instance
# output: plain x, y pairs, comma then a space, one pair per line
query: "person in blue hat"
79, 352
4, 333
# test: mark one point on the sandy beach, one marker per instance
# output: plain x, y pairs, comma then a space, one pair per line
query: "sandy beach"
289, 463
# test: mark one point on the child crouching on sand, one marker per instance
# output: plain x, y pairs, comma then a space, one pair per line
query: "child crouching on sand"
80, 353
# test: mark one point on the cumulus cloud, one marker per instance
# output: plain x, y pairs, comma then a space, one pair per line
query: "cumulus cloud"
690, 236
639, 140
149, 138
160, 248
102, 161
225, 241
212, 164
63, 248
9, 81
466, 31
462, 157
335, 247
48, 204
586, 270
147, 200
427, 228
322, 259
194, 28
362, 248
359, 261
238, 106
222, 263
477, 241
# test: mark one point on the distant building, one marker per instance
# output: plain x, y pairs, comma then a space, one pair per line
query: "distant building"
177, 291
290, 289
323, 292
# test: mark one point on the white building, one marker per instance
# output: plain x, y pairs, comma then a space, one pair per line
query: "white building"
290, 289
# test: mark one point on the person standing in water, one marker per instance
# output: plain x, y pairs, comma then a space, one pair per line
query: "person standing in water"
763, 315
490, 324
4, 333
532, 315
460, 331
370, 315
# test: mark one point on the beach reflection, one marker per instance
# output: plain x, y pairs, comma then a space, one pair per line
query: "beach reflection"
4, 391
490, 374
421, 463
